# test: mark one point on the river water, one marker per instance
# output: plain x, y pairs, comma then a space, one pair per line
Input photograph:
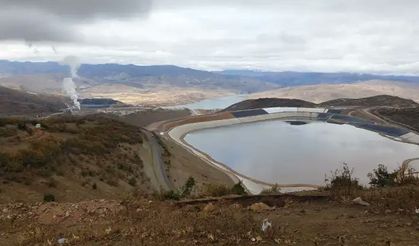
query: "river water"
279, 152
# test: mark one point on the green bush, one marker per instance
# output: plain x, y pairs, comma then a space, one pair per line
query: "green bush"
49, 197
187, 188
380, 177
272, 190
132, 181
342, 183
238, 189
171, 195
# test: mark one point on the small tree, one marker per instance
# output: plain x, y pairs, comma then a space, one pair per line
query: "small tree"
380, 177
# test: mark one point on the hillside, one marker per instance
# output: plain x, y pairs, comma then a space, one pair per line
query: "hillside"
71, 158
375, 101
269, 102
14, 102
406, 116
325, 92
290, 78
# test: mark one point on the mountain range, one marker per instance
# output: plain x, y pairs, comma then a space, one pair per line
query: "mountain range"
164, 85
135, 74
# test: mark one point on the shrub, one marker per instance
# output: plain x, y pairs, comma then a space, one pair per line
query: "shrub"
171, 195
22, 126
132, 181
380, 177
187, 188
272, 190
7, 132
342, 183
216, 190
238, 189
406, 176
49, 197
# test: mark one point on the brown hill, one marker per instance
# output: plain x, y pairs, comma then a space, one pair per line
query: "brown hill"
269, 102
406, 116
14, 102
375, 101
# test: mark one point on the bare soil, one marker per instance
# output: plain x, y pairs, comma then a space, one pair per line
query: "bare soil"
146, 221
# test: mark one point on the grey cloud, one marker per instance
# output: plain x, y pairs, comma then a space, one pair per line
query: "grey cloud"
56, 20
81, 8
34, 27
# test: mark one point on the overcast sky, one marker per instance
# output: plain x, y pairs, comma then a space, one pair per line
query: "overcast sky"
380, 36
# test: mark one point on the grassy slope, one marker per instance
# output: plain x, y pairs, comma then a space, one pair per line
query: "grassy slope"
406, 116
14, 102
382, 100
73, 158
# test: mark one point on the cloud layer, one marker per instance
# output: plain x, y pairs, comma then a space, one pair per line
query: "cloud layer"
343, 35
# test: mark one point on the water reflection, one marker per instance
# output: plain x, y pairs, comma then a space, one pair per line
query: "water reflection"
280, 152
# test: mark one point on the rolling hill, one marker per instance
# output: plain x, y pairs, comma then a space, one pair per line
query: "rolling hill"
15, 102
381, 100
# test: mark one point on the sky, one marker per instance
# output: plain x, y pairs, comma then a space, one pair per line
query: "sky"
377, 36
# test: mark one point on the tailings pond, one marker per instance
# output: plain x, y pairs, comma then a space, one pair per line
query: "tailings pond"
284, 153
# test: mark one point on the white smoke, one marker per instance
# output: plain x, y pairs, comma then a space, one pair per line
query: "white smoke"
74, 63
69, 87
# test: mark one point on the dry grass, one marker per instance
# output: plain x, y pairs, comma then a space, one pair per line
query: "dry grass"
91, 151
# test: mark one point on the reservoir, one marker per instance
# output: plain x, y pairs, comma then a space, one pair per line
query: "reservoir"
280, 152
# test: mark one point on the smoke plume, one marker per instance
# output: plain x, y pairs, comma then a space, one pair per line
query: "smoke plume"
69, 87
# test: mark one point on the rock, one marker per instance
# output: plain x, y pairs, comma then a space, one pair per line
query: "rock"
259, 207
387, 211
235, 206
258, 238
61, 241
209, 208
359, 201
266, 224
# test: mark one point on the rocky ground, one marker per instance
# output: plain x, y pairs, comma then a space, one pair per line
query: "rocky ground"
280, 220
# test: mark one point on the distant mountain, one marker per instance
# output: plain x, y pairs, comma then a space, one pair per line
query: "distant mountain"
29, 68
311, 78
137, 76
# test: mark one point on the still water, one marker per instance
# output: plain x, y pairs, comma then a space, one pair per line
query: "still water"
278, 152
